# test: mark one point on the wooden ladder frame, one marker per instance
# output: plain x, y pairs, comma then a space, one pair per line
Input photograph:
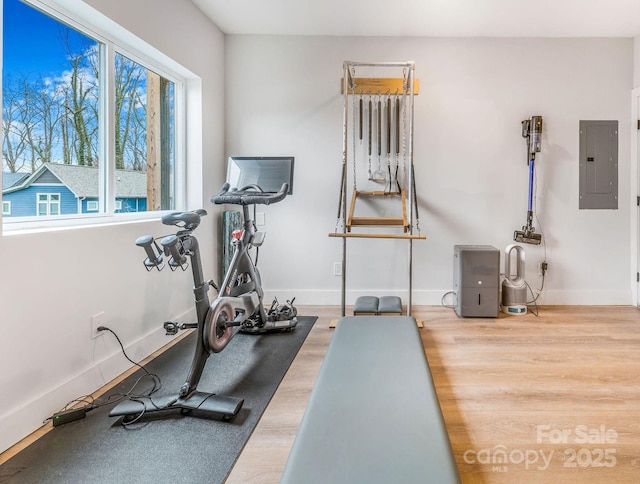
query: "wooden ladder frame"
355, 86
378, 221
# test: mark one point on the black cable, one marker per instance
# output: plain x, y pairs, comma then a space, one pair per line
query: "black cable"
414, 195
534, 300
157, 385
122, 396
104, 328
90, 402
87, 399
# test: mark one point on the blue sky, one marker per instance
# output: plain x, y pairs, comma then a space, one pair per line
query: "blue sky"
32, 42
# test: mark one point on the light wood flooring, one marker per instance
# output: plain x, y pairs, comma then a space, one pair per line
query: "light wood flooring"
526, 399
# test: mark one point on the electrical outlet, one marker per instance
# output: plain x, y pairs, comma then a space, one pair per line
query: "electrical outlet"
337, 268
543, 267
97, 320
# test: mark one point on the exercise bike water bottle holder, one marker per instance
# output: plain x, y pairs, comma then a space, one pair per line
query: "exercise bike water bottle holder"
174, 247
154, 253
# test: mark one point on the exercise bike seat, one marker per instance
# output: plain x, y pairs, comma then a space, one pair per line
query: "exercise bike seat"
186, 220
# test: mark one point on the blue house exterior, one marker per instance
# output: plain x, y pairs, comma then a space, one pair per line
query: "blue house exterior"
57, 189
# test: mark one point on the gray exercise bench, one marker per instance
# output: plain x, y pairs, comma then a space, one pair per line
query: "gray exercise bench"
373, 415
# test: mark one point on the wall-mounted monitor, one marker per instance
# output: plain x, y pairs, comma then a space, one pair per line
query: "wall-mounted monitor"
268, 172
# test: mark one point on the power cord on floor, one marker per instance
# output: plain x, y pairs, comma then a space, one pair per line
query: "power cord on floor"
535, 297
450, 306
71, 412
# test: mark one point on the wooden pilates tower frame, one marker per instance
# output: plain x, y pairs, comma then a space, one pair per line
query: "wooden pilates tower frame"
408, 86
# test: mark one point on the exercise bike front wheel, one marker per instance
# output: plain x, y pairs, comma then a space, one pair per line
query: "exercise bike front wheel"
216, 332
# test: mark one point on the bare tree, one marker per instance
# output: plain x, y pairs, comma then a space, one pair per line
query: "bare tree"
14, 142
128, 104
57, 119
81, 114
52, 119
43, 131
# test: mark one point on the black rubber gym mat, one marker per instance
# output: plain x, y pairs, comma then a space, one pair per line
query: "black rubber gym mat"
167, 447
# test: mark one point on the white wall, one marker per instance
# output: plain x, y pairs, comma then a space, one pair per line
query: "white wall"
53, 282
283, 97
636, 61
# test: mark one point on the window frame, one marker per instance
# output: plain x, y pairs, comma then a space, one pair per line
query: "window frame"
48, 202
6, 203
93, 205
113, 39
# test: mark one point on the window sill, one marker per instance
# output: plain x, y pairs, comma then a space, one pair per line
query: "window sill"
22, 226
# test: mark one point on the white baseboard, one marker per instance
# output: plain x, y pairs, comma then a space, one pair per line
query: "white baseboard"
586, 298
334, 297
434, 297
19, 422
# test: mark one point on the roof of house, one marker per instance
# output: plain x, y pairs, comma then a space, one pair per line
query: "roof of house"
83, 181
10, 179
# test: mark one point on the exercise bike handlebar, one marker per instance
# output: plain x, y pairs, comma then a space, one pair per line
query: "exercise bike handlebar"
248, 195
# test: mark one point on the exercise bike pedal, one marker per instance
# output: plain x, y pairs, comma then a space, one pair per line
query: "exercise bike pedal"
171, 328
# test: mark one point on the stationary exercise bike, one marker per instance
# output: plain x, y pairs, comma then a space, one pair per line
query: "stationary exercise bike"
240, 299
238, 307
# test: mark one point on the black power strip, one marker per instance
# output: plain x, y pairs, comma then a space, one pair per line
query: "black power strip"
70, 415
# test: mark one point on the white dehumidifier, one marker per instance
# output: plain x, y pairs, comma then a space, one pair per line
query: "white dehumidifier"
514, 287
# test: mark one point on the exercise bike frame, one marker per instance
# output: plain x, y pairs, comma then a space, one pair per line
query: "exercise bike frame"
217, 323
178, 247
240, 300
240, 296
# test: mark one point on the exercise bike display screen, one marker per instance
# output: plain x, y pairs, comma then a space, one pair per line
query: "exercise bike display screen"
269, 173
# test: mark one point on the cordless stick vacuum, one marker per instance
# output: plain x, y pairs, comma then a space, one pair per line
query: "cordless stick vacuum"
532, 131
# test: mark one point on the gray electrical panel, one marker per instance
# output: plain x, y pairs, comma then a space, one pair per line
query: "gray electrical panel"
598, 165
476, 280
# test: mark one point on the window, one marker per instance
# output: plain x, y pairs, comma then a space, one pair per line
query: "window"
6, 208
48, 204
92, 206
61, 86
144, 135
